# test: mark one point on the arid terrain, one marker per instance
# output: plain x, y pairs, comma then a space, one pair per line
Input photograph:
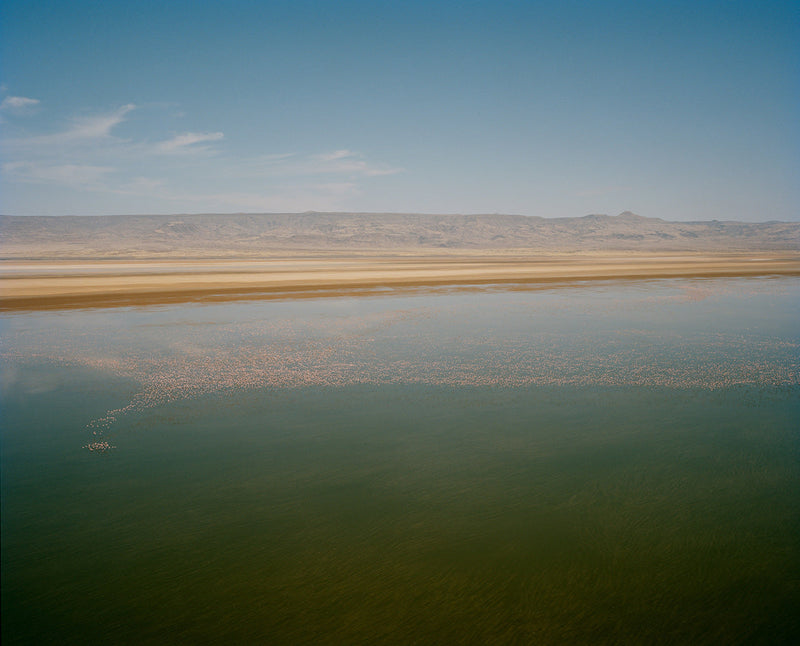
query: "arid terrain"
54, 262
263, 235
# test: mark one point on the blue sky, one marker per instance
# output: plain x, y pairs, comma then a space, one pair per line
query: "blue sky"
679, 110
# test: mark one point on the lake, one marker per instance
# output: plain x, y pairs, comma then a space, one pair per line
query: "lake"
599, 462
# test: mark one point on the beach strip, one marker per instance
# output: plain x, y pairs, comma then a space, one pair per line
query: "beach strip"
49, 284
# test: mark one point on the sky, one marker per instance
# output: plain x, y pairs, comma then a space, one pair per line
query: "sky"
670, 109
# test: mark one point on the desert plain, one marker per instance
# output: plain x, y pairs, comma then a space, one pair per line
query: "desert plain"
47, 284
67, 262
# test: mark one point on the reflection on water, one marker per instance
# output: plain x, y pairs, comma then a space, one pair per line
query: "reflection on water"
616, 464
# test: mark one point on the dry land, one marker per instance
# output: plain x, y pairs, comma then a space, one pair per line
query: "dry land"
57, 284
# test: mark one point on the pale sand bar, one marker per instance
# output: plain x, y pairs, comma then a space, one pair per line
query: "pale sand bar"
33, 285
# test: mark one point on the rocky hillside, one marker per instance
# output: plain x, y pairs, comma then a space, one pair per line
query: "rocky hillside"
256, 234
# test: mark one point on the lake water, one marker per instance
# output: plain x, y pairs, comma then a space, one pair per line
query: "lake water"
591, 463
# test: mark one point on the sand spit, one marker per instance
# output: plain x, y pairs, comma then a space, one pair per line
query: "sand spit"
64, 284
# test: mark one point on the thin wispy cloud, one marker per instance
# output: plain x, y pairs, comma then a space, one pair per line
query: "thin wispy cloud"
97, 126
82, 131
89, 156
302, 197
70, 175
347, 161
336, 154
186, 142
18, 104
106, 179
340, 162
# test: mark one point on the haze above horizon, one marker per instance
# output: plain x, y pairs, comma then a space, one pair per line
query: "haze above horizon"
680, 110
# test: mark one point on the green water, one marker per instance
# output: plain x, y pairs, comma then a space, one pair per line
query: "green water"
431, 469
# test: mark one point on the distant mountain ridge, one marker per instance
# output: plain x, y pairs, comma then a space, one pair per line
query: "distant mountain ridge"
225, 235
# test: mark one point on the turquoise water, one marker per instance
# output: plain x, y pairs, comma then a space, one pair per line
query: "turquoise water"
611, 463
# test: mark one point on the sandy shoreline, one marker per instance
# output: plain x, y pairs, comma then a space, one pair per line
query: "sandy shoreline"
48, 284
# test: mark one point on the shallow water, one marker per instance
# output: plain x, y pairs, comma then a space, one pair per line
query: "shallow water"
605, 463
